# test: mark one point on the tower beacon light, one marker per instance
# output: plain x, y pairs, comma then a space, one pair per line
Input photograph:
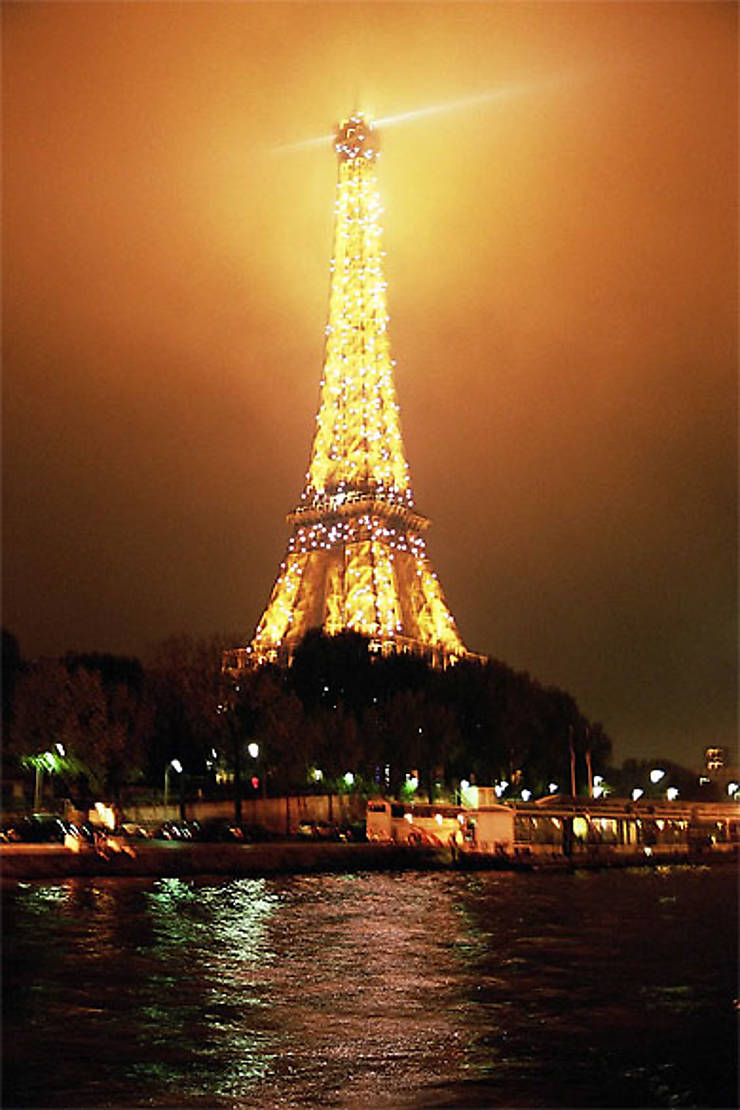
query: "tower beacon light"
356, 558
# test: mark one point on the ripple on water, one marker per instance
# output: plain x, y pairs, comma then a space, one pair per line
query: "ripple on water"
372, 991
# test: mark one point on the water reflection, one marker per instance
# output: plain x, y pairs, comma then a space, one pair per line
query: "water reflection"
365, 1000
208, 946
372, 991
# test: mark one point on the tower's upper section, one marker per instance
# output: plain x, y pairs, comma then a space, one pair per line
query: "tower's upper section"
356, 138
357, 448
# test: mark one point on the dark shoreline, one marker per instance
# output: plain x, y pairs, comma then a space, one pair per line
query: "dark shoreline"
284, 858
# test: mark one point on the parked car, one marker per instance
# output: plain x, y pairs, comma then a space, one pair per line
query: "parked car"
39, 828
259, 834
218, 830
132, 831
318, 830
83, 831
175, 830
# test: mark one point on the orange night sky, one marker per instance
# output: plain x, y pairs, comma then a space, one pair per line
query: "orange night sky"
562, 269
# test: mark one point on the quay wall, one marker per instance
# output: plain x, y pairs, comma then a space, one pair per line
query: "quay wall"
171, 859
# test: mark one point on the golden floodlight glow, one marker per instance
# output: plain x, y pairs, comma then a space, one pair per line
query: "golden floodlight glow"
356, 559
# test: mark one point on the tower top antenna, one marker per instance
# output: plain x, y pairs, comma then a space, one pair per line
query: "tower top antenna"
356, 138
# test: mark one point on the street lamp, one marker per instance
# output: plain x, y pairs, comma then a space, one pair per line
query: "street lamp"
657, 774
253, 750
39, 765
176, 765
43, 762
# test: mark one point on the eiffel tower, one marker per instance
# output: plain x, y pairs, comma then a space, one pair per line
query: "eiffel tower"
356, 558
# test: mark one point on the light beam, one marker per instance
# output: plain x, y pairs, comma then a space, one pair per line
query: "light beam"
449, 106
415, 113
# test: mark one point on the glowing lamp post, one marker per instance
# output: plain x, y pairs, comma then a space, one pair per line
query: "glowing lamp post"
253, 750
175, 765
46, 761
41, 764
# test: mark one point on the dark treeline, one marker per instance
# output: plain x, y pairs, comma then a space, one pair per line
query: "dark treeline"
339, 718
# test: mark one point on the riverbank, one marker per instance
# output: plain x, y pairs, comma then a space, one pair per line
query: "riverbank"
174, 860
171, 859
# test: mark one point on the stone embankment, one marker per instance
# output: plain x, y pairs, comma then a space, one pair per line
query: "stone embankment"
46, 861
174, 860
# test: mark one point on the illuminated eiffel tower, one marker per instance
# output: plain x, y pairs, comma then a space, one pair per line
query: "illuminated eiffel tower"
356, 559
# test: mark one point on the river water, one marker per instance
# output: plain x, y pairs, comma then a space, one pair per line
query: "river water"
592, 989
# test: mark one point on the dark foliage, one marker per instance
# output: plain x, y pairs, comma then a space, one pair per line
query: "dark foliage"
339, 708
483, 722
12, 664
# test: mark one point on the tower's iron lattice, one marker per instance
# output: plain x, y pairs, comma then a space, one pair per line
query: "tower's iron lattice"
356, 559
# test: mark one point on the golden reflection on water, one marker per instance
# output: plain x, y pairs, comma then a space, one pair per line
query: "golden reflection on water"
375, 990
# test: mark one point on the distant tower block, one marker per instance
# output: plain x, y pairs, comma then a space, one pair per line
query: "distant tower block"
356, 558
